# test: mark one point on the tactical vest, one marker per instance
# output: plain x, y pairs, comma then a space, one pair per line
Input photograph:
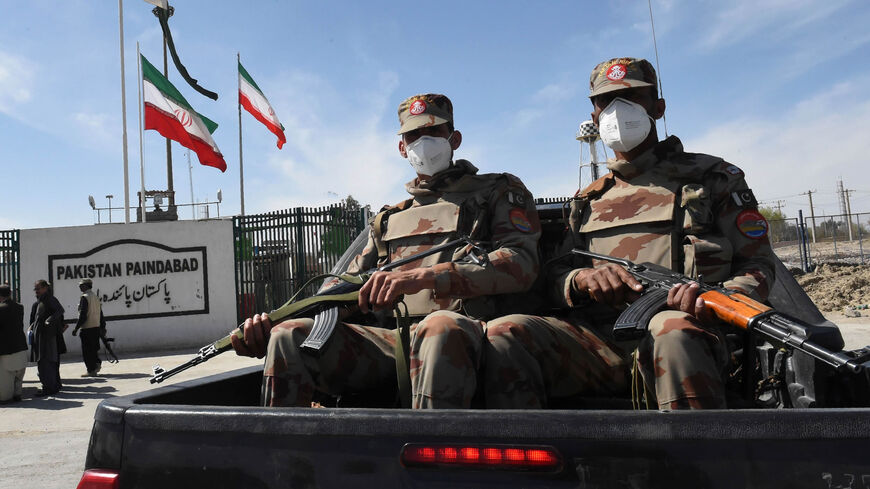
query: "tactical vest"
407, 229
93, 318
663, 219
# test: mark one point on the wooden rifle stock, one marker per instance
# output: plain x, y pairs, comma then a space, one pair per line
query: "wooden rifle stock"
729, 306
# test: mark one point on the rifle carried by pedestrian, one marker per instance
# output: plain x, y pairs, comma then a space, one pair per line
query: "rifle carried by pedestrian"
727, 305
107, 343
323, 306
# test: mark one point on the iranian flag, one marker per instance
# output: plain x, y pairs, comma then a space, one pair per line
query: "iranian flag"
253, 100
167, 112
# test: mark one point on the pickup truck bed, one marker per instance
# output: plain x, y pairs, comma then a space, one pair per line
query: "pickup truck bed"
210, 433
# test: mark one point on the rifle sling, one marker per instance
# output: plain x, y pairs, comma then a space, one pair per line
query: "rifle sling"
403, 346
287, 310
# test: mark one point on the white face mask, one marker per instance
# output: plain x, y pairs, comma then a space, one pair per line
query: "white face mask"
623, 125
429, 155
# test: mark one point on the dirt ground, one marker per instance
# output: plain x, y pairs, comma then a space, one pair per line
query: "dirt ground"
839, 282
840, 288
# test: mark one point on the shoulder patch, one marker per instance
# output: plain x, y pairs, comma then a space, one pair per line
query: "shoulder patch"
516, 199
752, 224
731, 169
519, 220
744, 198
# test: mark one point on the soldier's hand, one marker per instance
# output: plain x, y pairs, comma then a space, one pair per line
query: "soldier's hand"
382, 289
684, 297
76, 330
256, 331
608, 284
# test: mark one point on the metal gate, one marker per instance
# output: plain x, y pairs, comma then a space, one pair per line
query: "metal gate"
10, 262
277, 252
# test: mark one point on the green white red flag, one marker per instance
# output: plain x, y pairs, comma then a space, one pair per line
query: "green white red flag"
253, 100
167, 112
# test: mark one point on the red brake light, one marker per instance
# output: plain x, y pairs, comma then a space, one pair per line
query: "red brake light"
99, 479
498, 457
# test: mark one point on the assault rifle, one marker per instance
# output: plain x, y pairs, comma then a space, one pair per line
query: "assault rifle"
324, 306
107, 343
729, 306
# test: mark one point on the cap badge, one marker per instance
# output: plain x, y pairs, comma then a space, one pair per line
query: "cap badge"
616, 72
417, 108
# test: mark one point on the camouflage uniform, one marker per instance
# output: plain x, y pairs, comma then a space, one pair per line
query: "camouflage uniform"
446, 339
694, 214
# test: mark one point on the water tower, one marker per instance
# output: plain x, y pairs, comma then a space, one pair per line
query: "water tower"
588, 137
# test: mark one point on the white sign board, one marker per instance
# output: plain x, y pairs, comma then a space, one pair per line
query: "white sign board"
164, 285
136, 279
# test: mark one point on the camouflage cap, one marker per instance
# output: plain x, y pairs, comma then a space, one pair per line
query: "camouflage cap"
428, 109
86, 281
621, 73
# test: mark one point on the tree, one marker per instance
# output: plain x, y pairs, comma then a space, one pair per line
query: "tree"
772, 214
342, 227
781, 228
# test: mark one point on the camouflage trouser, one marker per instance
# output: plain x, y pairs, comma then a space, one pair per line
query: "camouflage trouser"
682, 362
531, 359
445, 351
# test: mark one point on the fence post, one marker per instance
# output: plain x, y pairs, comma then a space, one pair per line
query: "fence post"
802, 242
300, 248
237, 263
860, 238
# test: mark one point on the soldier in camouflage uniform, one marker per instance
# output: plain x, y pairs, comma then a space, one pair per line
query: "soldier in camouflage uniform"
690, 212
448, 298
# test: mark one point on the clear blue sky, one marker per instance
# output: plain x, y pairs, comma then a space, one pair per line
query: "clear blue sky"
777, 87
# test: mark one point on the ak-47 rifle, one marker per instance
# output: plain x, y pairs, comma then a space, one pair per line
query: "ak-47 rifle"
324, 306
106, 342
107, 345
729, 306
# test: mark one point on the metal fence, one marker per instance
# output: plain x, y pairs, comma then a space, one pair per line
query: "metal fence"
841, 238
10, 261
276, 253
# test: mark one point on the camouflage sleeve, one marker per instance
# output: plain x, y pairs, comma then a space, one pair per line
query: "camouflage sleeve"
737, 218
514, 230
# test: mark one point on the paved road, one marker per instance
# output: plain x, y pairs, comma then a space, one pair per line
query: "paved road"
43, 441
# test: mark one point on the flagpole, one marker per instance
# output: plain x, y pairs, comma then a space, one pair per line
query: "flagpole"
241, 166
141, 132
124, 118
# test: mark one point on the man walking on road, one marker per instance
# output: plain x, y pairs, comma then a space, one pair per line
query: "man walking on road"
46, 322
92, 324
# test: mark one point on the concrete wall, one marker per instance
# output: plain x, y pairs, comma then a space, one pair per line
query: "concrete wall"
164, 285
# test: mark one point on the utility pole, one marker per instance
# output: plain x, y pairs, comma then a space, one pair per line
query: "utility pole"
841, 194
849, 212
812, 213
170, 187
779, 204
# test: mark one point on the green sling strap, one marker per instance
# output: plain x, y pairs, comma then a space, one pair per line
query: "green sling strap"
403, 346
